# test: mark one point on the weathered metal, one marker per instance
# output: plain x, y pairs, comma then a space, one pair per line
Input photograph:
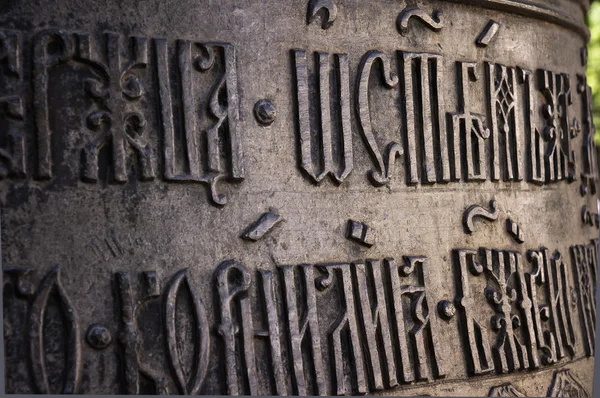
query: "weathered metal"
285, 197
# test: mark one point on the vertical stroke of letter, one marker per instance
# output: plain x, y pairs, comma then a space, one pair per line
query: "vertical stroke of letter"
43, 61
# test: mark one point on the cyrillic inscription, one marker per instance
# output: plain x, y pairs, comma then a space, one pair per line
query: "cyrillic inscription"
43, 373
42, 63
384, 161
129, 336
512, 294
426, 70
378, 330
318, 145
585, 265
170, 110
509, 143
202, 158
529, 299
322, 6
507, 152
589, 175
468, 129
433, 22
117, 122
116, 73
188, 382
194, 85
356, 367
559, 156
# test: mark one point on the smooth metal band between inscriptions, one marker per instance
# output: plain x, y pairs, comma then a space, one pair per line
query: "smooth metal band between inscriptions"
533, 10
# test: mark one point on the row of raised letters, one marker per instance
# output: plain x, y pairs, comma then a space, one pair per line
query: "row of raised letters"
375, 343
585, 266
438, 146
355, 327
118, 120
530, 306
380, 330
198, 114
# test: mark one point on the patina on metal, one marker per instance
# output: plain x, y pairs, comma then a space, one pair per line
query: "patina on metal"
292, 197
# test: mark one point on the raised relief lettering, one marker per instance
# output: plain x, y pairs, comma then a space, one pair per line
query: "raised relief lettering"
545, 340
372, 297
381, 329
559, 157
197, 371
13, 156
516, 150
350, 372
585, 263
386, 329
327, 149
117, 121
535, 143
360, 233
190, 152
505, 124
376, 323
45, 377
183, 311
384, 161
236, 319
479, 212
515, 231
130, 338
589, 175
589, 218
382, 300
530, 302
303, 328
425, 121
197, 109
181, 324
427, 348
487, 34
479, 357
433, 22
322, 6
198, 115
499, 268
43, 61
238, 332
551, 273
559, 298
508, 284
272, 332
468, 129
262, 226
